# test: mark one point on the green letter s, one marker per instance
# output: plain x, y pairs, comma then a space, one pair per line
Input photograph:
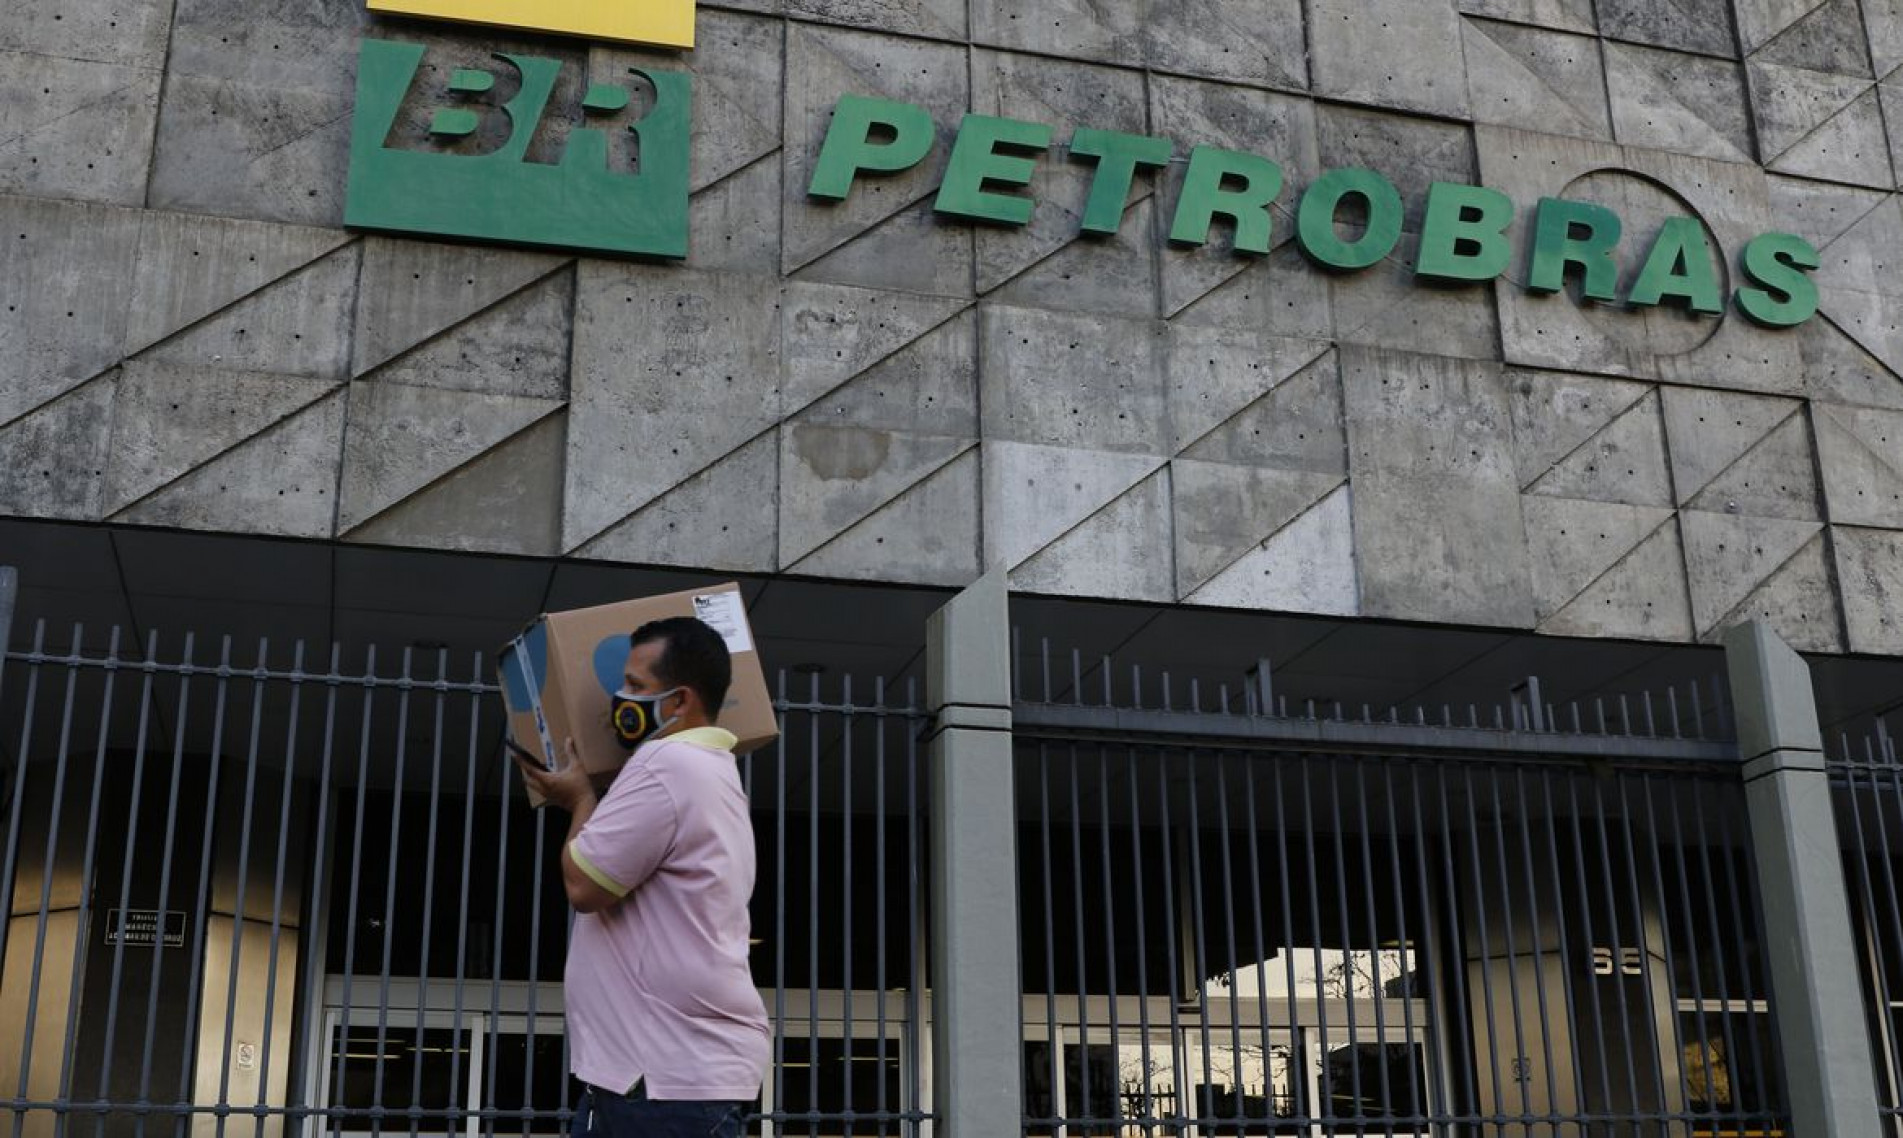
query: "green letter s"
1778, 262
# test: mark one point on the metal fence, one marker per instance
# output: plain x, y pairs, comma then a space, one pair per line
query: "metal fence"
1246, 918
1867, 791
263, 889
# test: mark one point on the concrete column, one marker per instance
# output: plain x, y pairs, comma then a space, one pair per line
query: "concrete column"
1814, 974
976, 1064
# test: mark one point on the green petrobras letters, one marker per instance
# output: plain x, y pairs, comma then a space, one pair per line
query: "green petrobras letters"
1465, 230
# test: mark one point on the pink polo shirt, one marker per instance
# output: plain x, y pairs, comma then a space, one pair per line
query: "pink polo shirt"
658, 987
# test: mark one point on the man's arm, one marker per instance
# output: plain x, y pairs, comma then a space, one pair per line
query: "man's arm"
570, 789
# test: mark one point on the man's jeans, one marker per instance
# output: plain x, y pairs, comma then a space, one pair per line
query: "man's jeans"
604, 1114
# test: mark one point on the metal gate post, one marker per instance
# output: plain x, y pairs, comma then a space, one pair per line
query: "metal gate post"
1814, 976
976, 1008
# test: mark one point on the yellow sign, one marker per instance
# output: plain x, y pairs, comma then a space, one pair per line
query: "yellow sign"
661, 23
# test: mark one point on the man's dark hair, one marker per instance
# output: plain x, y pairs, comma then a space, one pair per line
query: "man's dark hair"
692, 655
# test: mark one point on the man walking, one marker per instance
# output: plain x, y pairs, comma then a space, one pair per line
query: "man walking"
666, 1030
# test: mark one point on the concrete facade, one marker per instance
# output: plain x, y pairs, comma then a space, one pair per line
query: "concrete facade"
866, 391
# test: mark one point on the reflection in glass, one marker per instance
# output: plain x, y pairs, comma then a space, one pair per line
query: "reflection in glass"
1323, 973
412, 1068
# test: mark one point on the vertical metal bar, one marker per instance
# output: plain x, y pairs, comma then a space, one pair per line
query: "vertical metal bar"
505, 812
464, 1039
125, 881
1172, 943
1053, 1037
1694, 952
1513, 949
1077, 927
1881, 980
1613, 894
1578, 818
813, 773
277, 885
883, 855
1261, 951
319, 901
1646, 966
1302, 1108
181, 717
17, 798
778, 1074
1456, 1018
424, 968
235, 970
1229, 934
1347, 938
1492, 1018
536, 886
188, 1026
1142, 928
1409, 954
1765, 1068
1377, 995
82, 922
356, 880
389, 883
845, 796
920, 964
1199, 919
1109, 918
1565, 941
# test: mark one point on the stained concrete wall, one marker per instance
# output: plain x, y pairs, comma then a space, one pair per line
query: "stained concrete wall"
863, 391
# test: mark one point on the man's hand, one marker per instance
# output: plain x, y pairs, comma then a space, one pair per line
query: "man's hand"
568, 786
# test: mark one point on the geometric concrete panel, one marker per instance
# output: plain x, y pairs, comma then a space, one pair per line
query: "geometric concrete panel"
822, 63
296, 325
75, 128
1114, 275
245, 151
1862, 459
734, 224
1535, 79
1883, 20
1438, 532
1574, 542
1215, 373
1819, 125
834, 476
833, 333
1702, 26
1776, 478
1819, 212
1822, 35
1564, 15
1034, 494
914, 250
509, 500
1798, 601
1386, 306
1121, 551
1389, 53
401, 439
1709, 431
65, 279
1870, 572
721, 518
1625, 462
1281, 294
673, 370
115, 31
1278, 127
1068, 29
1729, 557
1554, 414
169, 419
1641, 597
928, 387
1296, 426
1062, 379
55, 455
928, 535
256, 114
1690, 104
1306, 567
1222, 511
412, 290
934, 19
1258, 42
191, 266
1643, 188
517, 346
281, 482
1837, 369
1858, 283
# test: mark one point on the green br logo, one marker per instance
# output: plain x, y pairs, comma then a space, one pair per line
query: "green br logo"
477, 176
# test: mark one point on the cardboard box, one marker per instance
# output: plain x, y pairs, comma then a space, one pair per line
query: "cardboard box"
573, 662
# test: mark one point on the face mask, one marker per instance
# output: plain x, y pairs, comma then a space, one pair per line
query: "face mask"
637, 718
